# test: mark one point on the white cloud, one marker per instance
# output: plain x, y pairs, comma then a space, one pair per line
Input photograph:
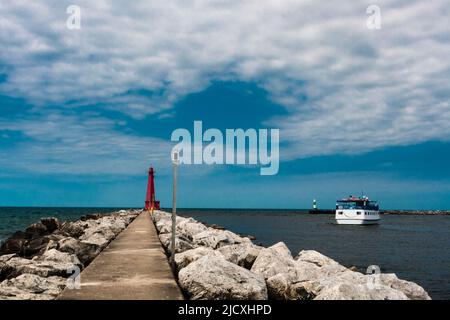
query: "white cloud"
365, 89
57, 143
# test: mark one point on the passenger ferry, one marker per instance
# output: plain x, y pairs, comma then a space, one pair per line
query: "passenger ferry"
357, 210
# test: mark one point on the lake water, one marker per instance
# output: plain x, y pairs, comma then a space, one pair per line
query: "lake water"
416, 248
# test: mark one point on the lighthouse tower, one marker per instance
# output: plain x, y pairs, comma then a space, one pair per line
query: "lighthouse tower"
150, 201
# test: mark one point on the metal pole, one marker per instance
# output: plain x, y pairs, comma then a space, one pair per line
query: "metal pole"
174, 215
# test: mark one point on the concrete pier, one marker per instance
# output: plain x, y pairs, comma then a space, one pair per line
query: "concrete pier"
133, 267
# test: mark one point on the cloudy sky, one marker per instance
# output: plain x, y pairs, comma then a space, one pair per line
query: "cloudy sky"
83, 113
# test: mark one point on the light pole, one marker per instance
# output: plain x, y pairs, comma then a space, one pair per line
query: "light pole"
175, 162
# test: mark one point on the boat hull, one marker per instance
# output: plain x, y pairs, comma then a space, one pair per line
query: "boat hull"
357, 216
357, 222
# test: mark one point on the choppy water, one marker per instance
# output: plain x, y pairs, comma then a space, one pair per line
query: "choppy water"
416, 248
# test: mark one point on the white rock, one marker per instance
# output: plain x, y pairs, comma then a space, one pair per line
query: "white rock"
315, 257
189, 228
217, 238
181, 244
51, 263
350, 291
273, 260
412, 290
183, 259
214, 278
242, 254
31, 287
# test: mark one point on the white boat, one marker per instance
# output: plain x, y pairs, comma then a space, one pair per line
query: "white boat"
357, 210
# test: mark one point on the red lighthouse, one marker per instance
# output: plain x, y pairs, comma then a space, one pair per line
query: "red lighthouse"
150, 202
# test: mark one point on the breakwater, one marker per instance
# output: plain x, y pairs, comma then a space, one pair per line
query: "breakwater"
210, 263
35, 263
220, 264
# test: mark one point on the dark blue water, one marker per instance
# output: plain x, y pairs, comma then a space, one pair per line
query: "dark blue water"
416, 248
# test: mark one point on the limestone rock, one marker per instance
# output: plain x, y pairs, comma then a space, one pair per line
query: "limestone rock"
315, 257
181, 244
189, 228
217, 238
158, 215
273, 260
72, 229
323, 278
31, 287
351, 291
214, 278
242, 254
183, 259
51, 263
412, 290
98, 239
39, 245
86, 252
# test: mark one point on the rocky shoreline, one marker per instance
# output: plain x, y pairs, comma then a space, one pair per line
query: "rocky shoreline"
35, 263
212, 263
217, 264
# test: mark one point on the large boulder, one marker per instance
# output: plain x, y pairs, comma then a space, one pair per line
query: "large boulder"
284, 276
113, 223
183, 259
352, 291
315, 257
99, 239
73, 229
158, 215
86, 252
103, 231
217, 238
273, 260
51, 263
164, 225
322, 278
31, 287
181, 244
57, 256
214, 278
39, 245
189, 228
51, 224
15, 243
412, 290
36, 230
243, 254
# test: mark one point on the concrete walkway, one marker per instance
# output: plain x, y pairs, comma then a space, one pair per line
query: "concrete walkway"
132, 267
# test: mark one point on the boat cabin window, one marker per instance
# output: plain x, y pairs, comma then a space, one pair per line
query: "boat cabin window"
366, 205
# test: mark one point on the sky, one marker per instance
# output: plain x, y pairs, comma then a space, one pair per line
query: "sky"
84, 112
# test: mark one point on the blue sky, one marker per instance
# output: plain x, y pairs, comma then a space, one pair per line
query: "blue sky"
85, 112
